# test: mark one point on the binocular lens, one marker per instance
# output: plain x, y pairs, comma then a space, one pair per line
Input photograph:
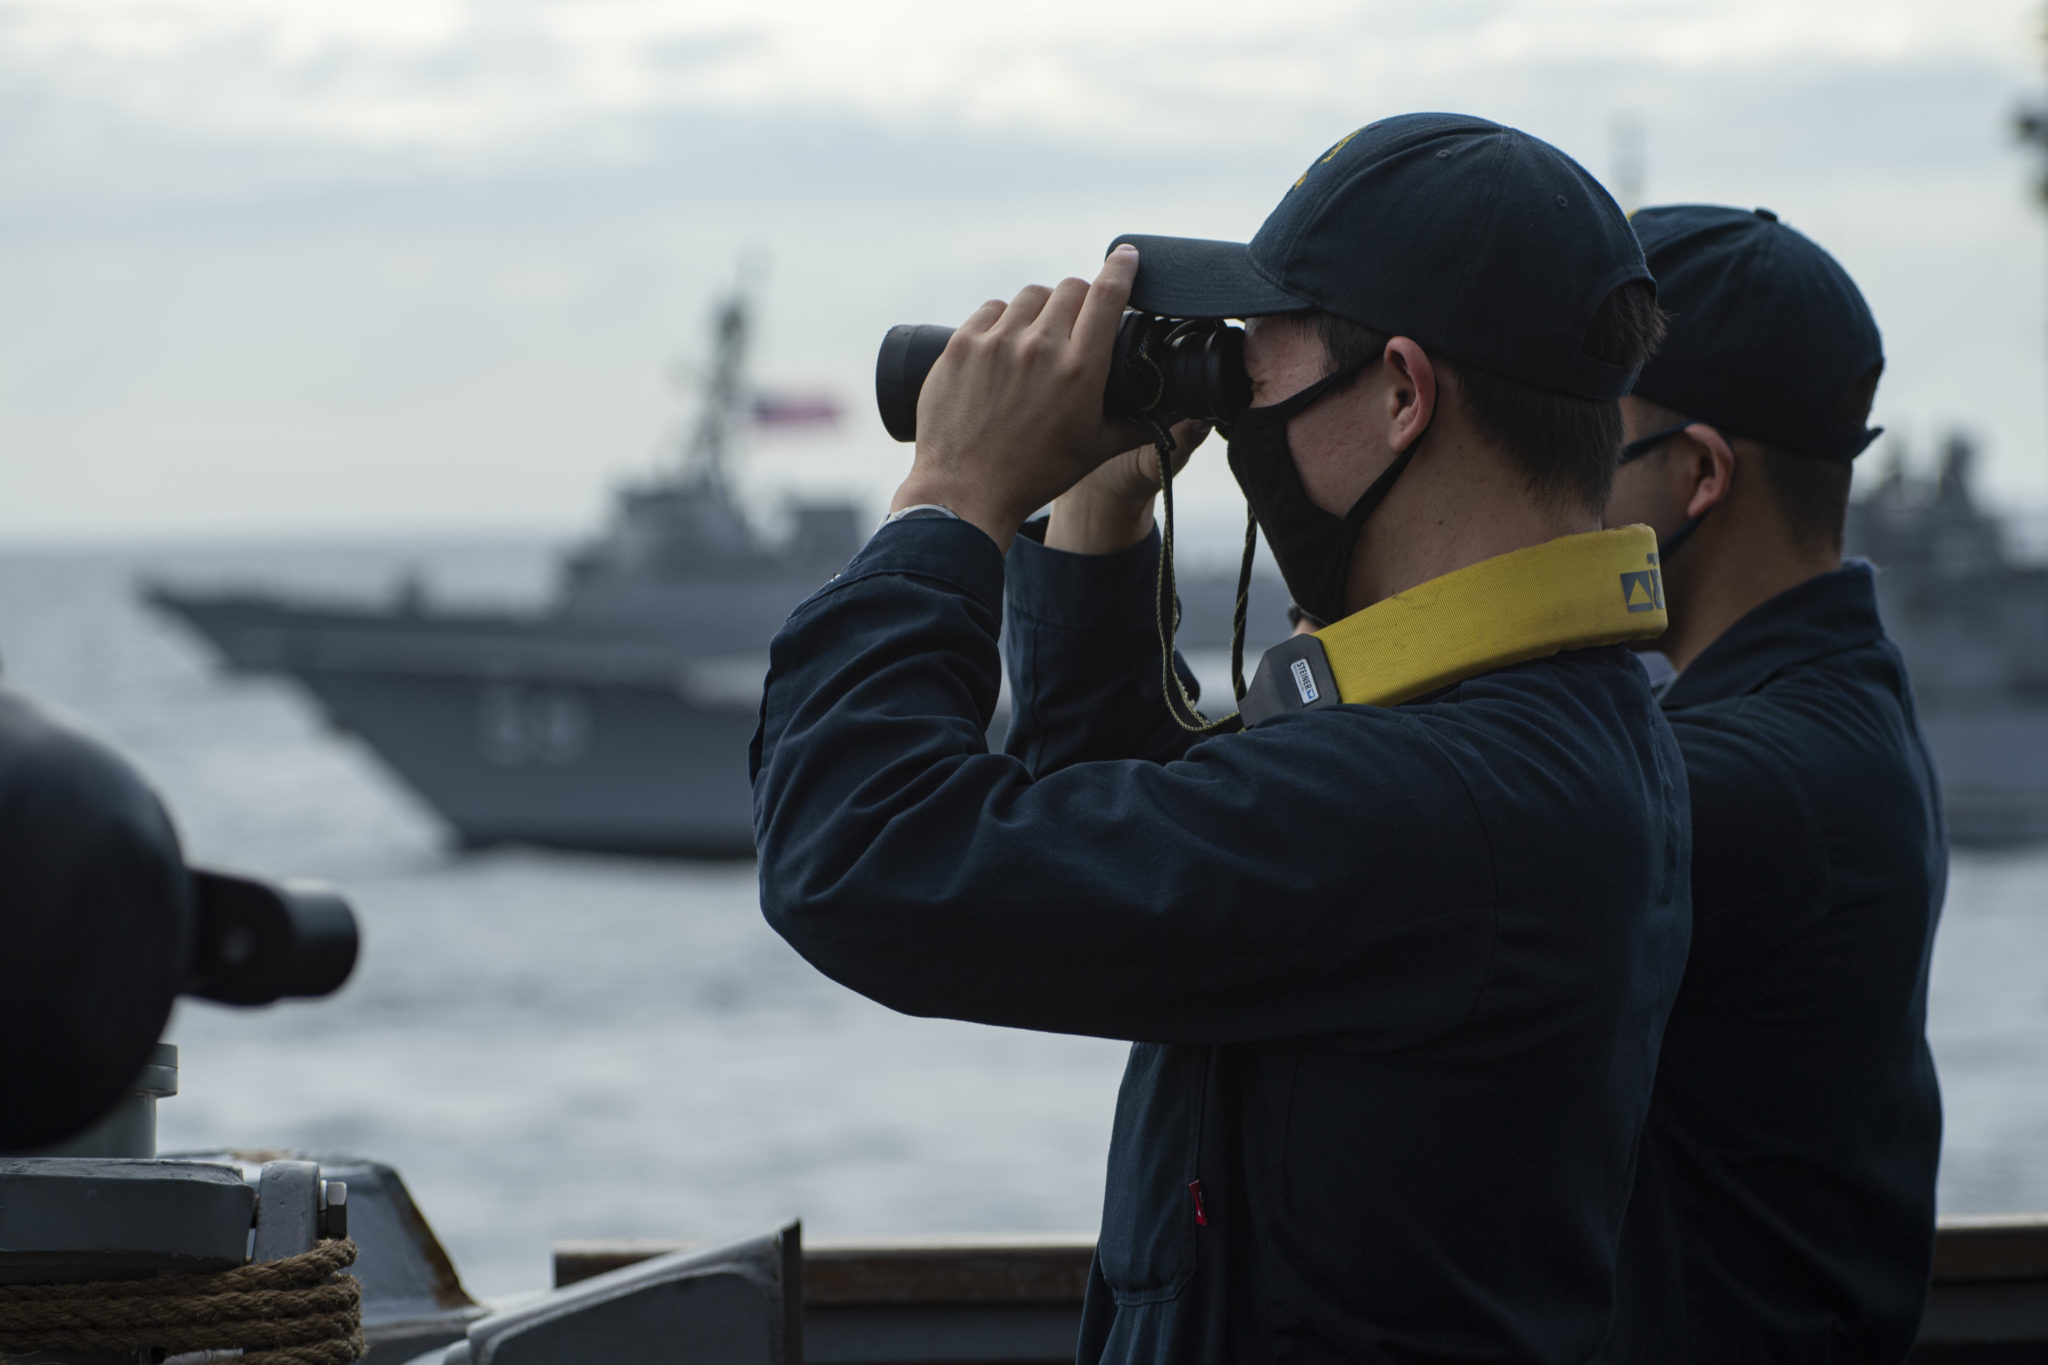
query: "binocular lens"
908, 353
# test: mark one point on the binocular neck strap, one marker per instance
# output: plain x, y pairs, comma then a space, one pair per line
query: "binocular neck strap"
1166, 607
1574, 592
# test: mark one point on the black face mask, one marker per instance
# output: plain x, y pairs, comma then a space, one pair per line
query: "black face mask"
1312, 547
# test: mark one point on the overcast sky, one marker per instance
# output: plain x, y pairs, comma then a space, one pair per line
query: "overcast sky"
333, 267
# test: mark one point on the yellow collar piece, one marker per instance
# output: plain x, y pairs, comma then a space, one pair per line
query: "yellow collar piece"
1575, 592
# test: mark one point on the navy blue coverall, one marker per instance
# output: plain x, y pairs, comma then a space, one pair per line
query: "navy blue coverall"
1396, 976
1784, 1205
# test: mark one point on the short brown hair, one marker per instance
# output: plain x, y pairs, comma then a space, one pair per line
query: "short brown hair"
1566, 447
1812, 491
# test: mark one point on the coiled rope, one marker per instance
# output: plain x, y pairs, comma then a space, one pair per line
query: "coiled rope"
300, 1310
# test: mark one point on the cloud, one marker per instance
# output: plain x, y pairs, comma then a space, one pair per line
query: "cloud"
319, 265
485, 76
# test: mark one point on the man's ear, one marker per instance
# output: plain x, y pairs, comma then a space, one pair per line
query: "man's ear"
1412, 396
1708, 465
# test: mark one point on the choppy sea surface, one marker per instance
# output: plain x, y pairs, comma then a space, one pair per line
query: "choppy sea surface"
552, 1046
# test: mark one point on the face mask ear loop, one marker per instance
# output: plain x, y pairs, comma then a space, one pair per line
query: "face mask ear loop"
1369, 501
1384, 484
1668, 548
1166, 610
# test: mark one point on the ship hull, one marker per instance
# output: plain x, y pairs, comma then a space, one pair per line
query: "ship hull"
616, 767
1993, 766
520, 729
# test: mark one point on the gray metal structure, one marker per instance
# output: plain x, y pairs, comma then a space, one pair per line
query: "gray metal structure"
737, 1304
103, 1206
996, 1301
413, 1300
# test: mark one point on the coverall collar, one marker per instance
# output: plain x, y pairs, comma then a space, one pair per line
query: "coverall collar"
1826, 614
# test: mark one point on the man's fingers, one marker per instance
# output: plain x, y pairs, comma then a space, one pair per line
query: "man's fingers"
1025, 308
1187, 434
981, 319
1103, 309
1062, 308
1127, 436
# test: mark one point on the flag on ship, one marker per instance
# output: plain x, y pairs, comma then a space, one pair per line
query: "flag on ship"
794, 410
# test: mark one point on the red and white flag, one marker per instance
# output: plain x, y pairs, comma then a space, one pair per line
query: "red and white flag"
795, 410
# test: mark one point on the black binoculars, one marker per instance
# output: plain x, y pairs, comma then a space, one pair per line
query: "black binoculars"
1161, 370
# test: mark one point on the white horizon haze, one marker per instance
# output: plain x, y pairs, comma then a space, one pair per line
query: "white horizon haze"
380, 268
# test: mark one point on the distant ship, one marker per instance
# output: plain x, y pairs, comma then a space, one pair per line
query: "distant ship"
1973, 625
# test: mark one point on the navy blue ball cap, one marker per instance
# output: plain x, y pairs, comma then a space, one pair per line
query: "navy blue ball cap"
1479, 241
1768, 337
1193, 277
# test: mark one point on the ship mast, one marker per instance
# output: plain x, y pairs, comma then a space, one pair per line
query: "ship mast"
2031, 124
1629, 157
724, 395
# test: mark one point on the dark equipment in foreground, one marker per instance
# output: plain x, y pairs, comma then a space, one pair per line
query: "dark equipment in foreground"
110, 1255
107, 925
106, 1251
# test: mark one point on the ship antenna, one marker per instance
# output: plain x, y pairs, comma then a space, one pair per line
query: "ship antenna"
2031, 123
1626, 145
724, 398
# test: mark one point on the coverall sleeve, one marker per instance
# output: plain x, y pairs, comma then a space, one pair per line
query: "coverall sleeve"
1324, 874
1083, 657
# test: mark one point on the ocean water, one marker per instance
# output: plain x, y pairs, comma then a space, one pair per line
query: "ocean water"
552, 1046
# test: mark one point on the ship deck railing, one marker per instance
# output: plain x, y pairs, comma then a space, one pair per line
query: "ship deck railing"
1017, 1300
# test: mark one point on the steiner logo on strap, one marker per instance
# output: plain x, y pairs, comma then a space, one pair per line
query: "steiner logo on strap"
1305, 682
1643, 590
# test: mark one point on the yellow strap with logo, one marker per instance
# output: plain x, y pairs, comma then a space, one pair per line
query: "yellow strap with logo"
1575, 592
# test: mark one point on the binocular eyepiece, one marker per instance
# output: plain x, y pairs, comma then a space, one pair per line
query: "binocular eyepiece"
1161, 369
